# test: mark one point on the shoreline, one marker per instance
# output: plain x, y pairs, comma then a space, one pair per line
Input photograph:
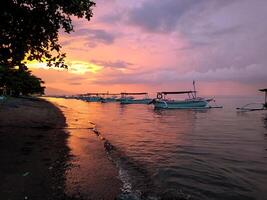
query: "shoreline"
93, 174
37, 155
33, 150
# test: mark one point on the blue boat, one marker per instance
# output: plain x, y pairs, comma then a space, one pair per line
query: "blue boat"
127, 98
192, 102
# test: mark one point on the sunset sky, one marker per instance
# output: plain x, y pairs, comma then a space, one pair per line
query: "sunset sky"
154, 45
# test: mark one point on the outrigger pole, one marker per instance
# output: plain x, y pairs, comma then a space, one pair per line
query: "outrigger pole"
265, 103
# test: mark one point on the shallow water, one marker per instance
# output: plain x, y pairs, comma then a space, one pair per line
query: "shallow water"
206, 154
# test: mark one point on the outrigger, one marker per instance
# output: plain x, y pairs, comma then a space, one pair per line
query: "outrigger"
127, 98
261, 106
91, 97
109, 97
192, 102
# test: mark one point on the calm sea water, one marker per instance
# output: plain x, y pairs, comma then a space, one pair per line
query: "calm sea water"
181, 154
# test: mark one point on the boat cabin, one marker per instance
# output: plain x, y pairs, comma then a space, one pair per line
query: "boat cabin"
191, 94
125, 94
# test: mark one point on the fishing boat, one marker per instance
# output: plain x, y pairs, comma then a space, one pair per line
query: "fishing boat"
128, 98
255, 106
108, 97
91, 97
192, 102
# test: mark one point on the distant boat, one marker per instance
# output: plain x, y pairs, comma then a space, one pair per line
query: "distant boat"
109, 98
91, 97
128, 98
255, 106
192, 102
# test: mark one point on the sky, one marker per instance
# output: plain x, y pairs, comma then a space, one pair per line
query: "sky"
156, 45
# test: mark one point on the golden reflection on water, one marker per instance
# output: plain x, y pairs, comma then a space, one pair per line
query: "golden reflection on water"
91, 174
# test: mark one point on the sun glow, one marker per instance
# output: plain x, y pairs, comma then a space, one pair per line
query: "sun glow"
81, 67
75, 67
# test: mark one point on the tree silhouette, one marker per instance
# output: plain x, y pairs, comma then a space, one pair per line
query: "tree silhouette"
21, 81
30, 29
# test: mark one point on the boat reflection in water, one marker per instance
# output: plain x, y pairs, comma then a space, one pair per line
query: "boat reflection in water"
168, 154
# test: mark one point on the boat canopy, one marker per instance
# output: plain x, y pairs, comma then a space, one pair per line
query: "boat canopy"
97, 94
134, 93
263, 90
179, 92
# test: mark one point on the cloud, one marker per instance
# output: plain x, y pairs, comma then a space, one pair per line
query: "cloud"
166, 16
75, 83
160, 16
96, 36
76, 78
249, 74
207, 40
119, 64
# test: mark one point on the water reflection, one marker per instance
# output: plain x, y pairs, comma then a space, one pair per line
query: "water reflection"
92, 175
207, 154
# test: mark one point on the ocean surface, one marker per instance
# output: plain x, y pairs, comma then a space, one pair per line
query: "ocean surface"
214, 154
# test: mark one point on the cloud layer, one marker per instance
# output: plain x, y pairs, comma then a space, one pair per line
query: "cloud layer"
171, 42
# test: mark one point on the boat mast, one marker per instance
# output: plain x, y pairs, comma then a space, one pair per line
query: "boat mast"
195, 92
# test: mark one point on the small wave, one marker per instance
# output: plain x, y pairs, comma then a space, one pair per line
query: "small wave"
136, 180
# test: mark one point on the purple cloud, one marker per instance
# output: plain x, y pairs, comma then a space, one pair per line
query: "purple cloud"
119, 64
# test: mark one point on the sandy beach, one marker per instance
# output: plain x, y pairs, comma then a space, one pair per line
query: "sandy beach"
33, 150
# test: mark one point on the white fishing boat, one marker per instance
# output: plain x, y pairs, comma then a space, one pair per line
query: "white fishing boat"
128, 98
192, 102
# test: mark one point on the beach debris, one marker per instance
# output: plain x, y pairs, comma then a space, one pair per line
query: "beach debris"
26, 174
92, 123
108, 146
102, 138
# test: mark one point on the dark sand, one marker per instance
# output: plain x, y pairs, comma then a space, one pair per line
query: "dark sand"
33, 151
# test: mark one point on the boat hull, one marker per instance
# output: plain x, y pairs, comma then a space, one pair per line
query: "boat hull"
92, 99
135, 101
108, 100
192, 104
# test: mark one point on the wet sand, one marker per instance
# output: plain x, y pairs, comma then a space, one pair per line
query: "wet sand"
34, 153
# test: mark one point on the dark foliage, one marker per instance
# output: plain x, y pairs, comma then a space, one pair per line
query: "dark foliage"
21, 81
30, 29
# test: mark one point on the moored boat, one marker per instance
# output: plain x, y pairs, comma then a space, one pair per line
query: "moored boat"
109, 98
128, 98
91, 97
192, 102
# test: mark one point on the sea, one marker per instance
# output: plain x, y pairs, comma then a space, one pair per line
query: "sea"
210, 154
